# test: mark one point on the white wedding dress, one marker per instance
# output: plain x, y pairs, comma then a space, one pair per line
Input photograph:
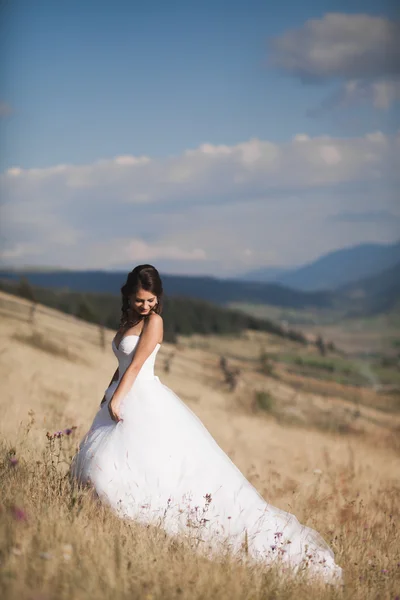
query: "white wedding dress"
160, 465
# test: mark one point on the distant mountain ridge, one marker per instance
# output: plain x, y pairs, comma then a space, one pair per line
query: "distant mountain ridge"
333, 270
365, 296
265, 274
214, 290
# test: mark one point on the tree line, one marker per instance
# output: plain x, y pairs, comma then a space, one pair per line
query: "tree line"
182, 315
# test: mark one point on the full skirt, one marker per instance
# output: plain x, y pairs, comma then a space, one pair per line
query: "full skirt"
160, 465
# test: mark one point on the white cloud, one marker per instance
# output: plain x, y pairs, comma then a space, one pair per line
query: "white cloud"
100, 254
211, 208
360, 50
385, 93
331, 155
339, 45
20, 250
381, 94
301, 137
198, 175
289, 230
126, 159
140, 250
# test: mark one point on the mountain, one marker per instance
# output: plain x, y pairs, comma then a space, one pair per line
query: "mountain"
214, 290
335, 269
366, 296
265, 274
374, 295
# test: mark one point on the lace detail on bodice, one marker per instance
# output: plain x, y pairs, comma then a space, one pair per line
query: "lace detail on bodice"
125, 353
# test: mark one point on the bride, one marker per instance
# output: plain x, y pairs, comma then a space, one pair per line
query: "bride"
150, 457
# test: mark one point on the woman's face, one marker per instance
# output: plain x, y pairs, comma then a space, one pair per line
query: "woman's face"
143, 301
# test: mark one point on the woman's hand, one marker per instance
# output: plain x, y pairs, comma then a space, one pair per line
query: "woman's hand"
113, 409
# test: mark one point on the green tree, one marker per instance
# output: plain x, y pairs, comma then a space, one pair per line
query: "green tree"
25, 290
86, 311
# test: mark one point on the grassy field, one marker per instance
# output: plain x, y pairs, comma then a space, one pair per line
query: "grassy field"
325, 450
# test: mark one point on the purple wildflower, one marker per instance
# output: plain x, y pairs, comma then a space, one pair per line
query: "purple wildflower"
69, 430
19, 514
13, 461
273, 547
278, 534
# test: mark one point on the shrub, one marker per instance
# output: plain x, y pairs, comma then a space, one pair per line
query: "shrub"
264, 401
266, 365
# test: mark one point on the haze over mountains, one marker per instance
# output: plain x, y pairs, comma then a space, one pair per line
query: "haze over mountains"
333, 270
362, 295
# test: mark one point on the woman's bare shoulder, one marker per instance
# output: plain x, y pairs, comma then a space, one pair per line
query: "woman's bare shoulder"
153, 327
156, 318
154, 322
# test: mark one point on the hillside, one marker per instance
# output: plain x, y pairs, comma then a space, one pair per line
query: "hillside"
377, 294
366, 317
322, 447
335, 269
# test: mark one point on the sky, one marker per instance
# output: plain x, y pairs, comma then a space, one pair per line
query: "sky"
205, 138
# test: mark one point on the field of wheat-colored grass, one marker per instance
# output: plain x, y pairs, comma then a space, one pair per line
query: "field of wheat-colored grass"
59, 543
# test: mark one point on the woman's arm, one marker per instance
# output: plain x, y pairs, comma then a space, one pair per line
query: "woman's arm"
114, 378
150, 337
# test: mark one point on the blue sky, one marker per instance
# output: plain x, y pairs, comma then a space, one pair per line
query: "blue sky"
84, 82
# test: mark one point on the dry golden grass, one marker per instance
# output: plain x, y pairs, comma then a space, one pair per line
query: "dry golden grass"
57, 542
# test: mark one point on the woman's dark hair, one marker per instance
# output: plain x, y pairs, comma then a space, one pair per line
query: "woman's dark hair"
142, 276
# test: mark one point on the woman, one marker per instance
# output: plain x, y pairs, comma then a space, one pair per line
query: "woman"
150, 458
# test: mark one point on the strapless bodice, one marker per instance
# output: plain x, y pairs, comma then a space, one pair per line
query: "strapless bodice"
125, 353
